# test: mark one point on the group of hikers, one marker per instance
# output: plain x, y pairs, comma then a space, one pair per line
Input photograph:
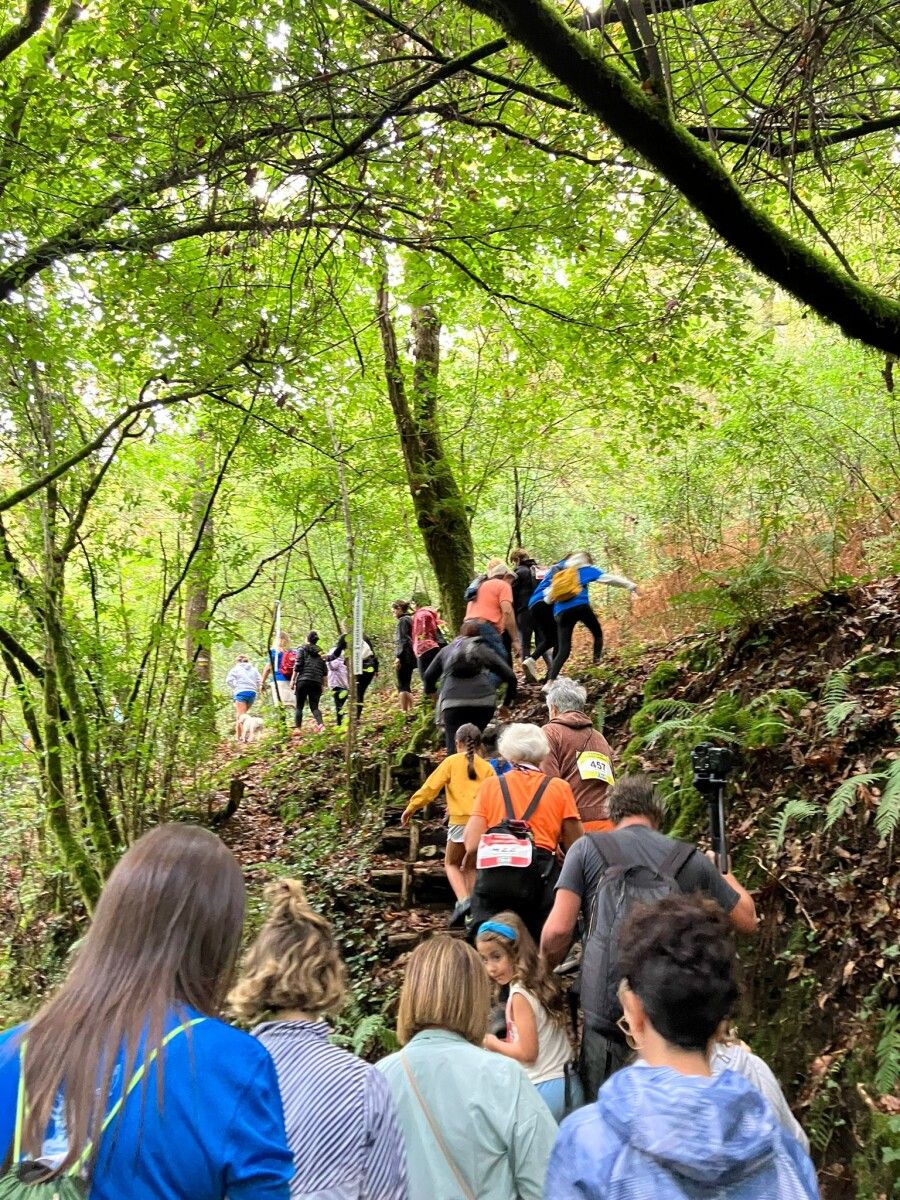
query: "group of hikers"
512, 609
298, 678
569, 1038
507, 606
130, 1080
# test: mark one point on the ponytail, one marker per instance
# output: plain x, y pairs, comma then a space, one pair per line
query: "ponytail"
469, 737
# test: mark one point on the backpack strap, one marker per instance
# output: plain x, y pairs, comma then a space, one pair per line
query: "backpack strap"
609, 850
136, 1078
507, 799
676, 859
536, 799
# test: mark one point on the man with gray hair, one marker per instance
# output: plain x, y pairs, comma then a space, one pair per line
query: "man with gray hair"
579, 754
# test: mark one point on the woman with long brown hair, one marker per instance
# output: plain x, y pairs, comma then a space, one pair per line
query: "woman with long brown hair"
125, 1078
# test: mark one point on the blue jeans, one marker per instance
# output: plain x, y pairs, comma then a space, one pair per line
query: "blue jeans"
553, 1093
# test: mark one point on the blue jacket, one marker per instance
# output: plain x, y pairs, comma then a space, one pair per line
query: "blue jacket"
218, 1132
586, 575
654, 1132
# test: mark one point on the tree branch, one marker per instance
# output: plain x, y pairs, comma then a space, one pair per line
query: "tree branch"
643, 123
16, 36
29, 489
770, 142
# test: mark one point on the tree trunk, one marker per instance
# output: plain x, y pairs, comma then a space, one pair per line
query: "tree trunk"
197, 585
437, 501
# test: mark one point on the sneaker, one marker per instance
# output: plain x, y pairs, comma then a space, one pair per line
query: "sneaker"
460, 911
529, 669
320, 729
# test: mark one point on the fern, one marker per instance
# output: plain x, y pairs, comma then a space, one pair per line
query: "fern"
793, 810
888, 815
887, 1053
837, 714
836, 688
691, 725
837, 703
846, 794
369, 1028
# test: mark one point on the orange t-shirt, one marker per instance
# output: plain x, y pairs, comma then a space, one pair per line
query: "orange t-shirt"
555, 806
486, 605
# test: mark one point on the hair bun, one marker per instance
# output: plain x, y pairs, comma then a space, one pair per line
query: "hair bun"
287, 898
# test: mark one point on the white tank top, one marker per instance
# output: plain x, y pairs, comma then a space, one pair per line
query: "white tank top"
554, 1050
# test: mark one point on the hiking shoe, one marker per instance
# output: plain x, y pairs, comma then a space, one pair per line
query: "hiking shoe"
459, 914
529, 669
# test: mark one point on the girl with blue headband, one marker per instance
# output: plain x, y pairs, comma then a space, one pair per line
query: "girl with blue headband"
536, 1035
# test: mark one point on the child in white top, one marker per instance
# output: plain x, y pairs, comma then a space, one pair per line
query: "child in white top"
244, 681
536, 1033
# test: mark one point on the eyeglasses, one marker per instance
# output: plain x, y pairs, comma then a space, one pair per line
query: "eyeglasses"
623, 1025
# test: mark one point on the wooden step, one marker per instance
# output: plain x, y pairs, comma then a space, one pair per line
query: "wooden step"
422, 882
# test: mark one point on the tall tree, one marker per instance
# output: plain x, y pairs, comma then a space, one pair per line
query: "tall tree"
438, 503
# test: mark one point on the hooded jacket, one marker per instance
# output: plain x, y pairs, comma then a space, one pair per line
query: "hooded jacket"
478, 687
569, 734
656, 1133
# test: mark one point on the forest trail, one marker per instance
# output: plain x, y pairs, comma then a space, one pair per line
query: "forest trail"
809, 701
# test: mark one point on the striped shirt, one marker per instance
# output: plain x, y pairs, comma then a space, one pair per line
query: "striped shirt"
339, 1115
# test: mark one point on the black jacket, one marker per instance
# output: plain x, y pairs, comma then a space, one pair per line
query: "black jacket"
523, 584
310, 666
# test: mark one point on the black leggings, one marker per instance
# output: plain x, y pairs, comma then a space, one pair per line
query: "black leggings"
405, 673
581, 614
546, 634
308, 692
362, 686
340, 699
454, 718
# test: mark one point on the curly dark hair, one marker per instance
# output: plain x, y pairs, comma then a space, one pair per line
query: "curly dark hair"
678, 957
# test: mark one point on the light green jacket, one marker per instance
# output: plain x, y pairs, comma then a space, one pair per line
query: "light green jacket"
497, 1129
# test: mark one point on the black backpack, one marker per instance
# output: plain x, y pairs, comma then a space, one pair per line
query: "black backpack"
623, 885
464, 659
515, 887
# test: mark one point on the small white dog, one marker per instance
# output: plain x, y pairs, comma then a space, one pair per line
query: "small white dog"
251, 728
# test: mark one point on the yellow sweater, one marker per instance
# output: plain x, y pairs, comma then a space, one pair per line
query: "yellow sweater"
452, 777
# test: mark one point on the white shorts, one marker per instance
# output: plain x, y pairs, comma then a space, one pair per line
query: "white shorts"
281, 692
455, 833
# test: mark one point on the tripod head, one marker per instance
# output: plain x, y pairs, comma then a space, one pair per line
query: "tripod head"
712, 766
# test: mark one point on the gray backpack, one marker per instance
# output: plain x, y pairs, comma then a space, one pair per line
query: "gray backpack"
623, 885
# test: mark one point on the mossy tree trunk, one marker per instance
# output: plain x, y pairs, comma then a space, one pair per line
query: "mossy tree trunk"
437, 500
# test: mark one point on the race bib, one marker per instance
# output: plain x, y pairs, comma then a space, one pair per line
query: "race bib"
592, 765
503, 850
